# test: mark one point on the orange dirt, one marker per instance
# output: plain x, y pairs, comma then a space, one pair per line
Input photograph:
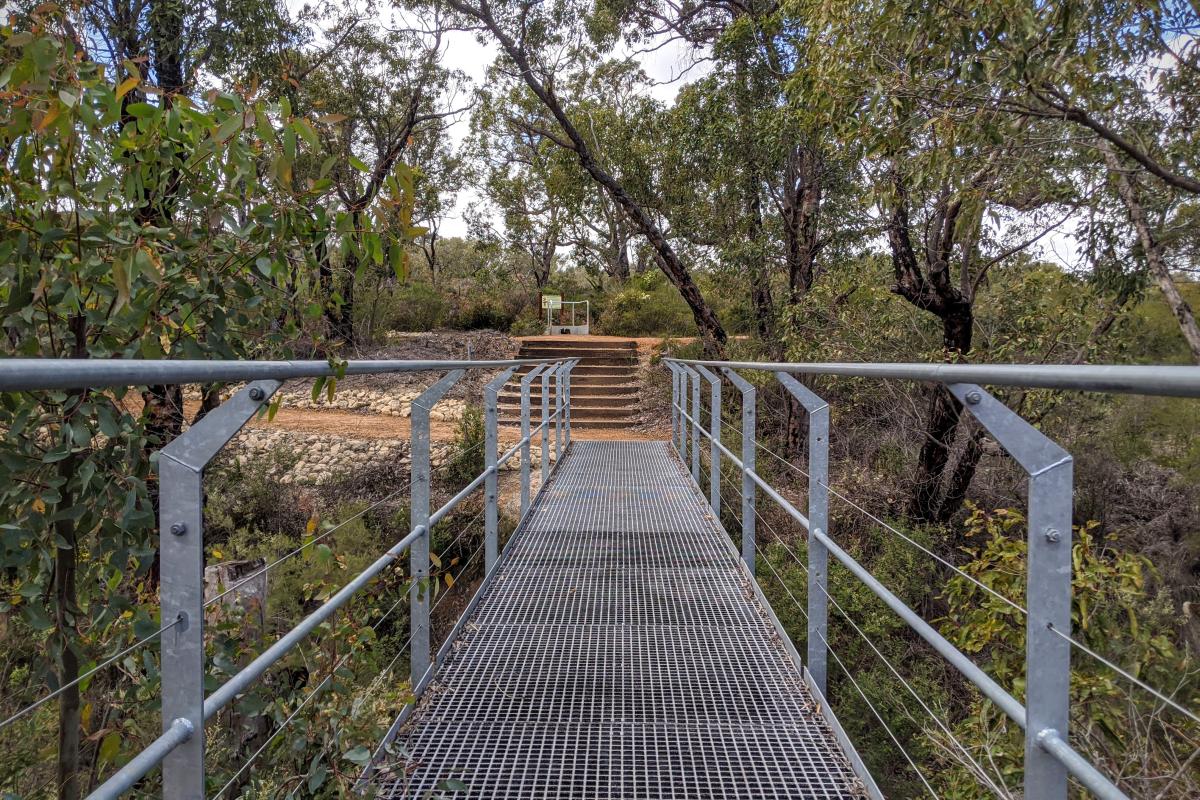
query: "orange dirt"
354, 425
645, 344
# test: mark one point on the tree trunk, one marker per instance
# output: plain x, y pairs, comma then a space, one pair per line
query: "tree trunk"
69, 719
801, 211
940, 428
1153, 252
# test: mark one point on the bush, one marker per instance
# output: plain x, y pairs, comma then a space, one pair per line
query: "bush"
528, 324
647, 305
466, 458
415, 306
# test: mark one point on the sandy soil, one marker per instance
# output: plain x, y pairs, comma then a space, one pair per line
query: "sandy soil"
355, 425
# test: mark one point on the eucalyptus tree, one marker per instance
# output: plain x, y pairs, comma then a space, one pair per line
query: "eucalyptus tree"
540, 44
376, 93
960, 189
525, 177
1118, 84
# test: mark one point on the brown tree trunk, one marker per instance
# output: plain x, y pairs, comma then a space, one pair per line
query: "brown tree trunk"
1153, 252
69, 706
932, 291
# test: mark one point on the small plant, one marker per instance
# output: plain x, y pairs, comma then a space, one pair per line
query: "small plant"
466, 456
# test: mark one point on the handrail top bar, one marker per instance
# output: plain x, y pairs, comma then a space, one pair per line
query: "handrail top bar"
33, 374
1171, 381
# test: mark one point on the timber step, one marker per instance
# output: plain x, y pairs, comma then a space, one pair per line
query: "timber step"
577, 390
577, 402
604, 384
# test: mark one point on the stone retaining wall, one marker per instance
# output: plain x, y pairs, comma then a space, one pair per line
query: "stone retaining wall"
393, 404
321, 457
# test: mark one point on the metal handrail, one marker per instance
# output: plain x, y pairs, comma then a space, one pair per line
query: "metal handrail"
1049, 757
1171, 381
180, 748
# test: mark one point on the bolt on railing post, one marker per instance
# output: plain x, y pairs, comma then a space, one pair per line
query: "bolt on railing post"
181, 588
545, 459
525, 436
491, 454
1048, 583
818, 520
418, 554
749, 400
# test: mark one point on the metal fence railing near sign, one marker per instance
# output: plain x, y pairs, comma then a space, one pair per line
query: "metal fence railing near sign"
1049, 759
185, 706
568, 316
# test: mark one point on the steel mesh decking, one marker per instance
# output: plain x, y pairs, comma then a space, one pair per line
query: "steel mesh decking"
619, 653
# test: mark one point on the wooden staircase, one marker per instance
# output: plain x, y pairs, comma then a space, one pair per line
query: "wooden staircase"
604, 384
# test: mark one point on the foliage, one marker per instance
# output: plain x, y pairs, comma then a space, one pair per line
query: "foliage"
466, 460
1116, 610
138, 223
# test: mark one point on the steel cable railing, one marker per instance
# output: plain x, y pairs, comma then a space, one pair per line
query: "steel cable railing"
764, 558
307, 544
980, 771
1049, 758
341, 662
185, 708
465, 528
837, 660
1158, 694
89, 673
885, 525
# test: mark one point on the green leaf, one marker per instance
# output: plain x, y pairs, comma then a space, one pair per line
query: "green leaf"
110, 745
358, 164
229, 127
359, 755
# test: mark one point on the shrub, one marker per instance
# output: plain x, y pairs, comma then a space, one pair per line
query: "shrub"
415, 306
466, 456
647, 305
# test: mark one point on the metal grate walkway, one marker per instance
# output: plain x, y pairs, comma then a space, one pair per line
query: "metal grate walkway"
619, 652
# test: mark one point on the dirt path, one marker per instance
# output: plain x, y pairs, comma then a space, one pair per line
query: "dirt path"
354, 425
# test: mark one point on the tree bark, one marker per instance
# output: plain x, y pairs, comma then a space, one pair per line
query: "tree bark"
69, 706
930, 289
1153, 251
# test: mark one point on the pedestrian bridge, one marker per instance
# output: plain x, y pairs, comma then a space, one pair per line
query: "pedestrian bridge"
621, 649
619, 645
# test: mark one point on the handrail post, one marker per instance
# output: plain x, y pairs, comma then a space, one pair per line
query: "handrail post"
181, 589
525, 435
491, 484
749, 400
1048, 584
567, 403
684, 435
695, 446
558, 410
818, 520
676, 417
418, 554
545, 459
714, 435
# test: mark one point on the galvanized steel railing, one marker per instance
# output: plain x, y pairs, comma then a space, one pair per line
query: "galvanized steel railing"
1049, 759
185, 709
